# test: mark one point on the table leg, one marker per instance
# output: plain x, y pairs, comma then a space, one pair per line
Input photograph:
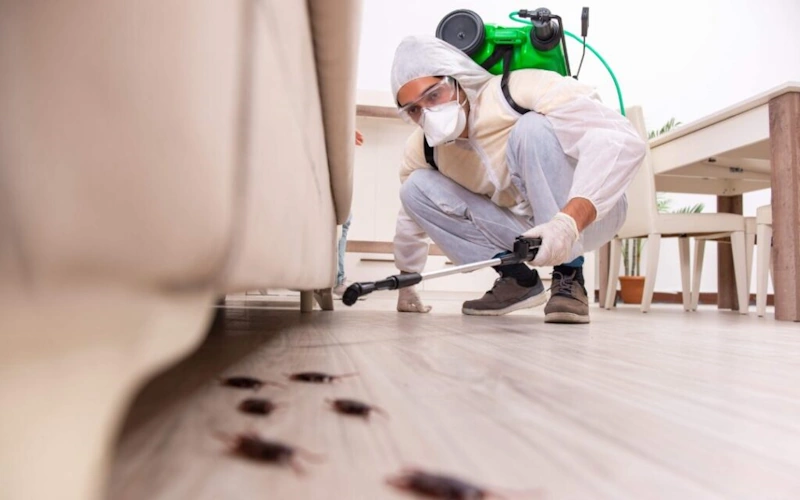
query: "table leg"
784, 131
602, 269
726, 281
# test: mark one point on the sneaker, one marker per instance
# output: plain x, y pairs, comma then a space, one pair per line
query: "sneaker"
338, 290
568, 302
506, 296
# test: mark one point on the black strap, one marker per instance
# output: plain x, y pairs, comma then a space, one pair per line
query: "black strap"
504, 85
429, 153
499, 52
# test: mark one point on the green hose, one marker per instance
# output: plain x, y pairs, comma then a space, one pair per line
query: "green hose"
513, 16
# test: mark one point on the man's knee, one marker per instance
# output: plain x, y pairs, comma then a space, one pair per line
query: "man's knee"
413, 190
533, 144
427, 189
532, 125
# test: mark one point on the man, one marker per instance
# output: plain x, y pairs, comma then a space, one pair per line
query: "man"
558, 171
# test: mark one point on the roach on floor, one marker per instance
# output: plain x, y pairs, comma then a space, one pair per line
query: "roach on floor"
318, 377
440, 486
255, 448
258, 406
355, 408
243, 382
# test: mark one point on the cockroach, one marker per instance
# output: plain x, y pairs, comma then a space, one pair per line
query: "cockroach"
445, 487
253, 447
243, 382
355, 407
258, 406
318, 377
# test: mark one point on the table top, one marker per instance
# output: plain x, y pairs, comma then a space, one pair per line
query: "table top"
726, 153
725, 113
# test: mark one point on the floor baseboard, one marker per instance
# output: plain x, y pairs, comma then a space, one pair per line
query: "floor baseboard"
708, 298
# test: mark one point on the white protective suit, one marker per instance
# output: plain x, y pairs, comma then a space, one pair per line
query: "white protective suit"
607, 148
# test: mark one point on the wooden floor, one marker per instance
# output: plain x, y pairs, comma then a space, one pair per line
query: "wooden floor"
664, 405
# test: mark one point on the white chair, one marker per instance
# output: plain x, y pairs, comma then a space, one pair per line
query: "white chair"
699, 254
644, 221
763, 256
762, 222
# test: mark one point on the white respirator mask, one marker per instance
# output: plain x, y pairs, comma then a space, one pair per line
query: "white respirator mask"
444, 123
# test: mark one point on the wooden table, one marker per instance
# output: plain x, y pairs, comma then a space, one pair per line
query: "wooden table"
752, 145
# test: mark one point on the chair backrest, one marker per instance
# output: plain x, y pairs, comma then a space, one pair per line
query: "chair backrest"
641, 193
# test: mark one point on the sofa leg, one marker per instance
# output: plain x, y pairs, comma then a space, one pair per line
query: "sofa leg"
71, 362
324, 298
306, 301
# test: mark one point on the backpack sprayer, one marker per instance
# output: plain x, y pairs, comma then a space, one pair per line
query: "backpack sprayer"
539, 44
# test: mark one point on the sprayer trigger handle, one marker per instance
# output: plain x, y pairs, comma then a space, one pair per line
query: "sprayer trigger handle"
525, 249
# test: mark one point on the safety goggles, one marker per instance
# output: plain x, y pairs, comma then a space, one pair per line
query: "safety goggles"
441, 93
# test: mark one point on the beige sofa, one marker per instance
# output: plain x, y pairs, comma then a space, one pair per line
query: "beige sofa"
154, 155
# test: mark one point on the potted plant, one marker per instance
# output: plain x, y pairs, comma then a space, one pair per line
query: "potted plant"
632, 283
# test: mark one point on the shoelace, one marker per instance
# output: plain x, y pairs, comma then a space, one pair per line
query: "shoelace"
562, 284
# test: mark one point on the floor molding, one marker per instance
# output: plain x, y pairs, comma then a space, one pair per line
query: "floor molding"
706, 298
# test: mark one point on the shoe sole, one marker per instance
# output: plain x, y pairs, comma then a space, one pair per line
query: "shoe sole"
534, 301
565, 317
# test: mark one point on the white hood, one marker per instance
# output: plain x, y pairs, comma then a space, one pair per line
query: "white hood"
425, 55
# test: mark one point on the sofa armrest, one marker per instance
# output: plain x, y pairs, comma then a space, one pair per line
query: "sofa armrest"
335, 29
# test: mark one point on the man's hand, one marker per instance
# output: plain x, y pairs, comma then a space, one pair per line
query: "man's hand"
558, 237
409, 301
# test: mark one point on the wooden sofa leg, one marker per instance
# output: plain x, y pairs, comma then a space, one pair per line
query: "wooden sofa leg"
324, 298
306, 301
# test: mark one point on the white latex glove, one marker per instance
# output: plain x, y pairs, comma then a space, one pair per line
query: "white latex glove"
409, 301
558, 237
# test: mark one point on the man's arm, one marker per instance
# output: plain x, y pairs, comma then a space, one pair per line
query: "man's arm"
608, 150
410, 244
582, 210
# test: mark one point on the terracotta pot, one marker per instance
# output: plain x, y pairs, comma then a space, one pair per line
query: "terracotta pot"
632, 289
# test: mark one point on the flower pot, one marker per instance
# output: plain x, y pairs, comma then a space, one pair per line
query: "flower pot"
632, 289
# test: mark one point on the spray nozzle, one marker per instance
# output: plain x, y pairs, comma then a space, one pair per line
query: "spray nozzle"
584, 21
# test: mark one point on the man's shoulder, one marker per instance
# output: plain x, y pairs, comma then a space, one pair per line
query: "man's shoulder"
544, 90
532, 75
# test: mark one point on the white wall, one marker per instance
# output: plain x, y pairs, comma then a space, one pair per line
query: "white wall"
676, 58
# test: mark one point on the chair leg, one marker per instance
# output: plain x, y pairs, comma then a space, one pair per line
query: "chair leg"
615, 254
739, 263
771, 261
699, 254
683, 249
749, 246
653, 249
762, 264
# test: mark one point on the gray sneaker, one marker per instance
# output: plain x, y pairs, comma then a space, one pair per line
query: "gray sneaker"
506, 296
568, 299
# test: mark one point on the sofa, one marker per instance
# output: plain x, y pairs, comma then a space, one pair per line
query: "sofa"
154, 156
